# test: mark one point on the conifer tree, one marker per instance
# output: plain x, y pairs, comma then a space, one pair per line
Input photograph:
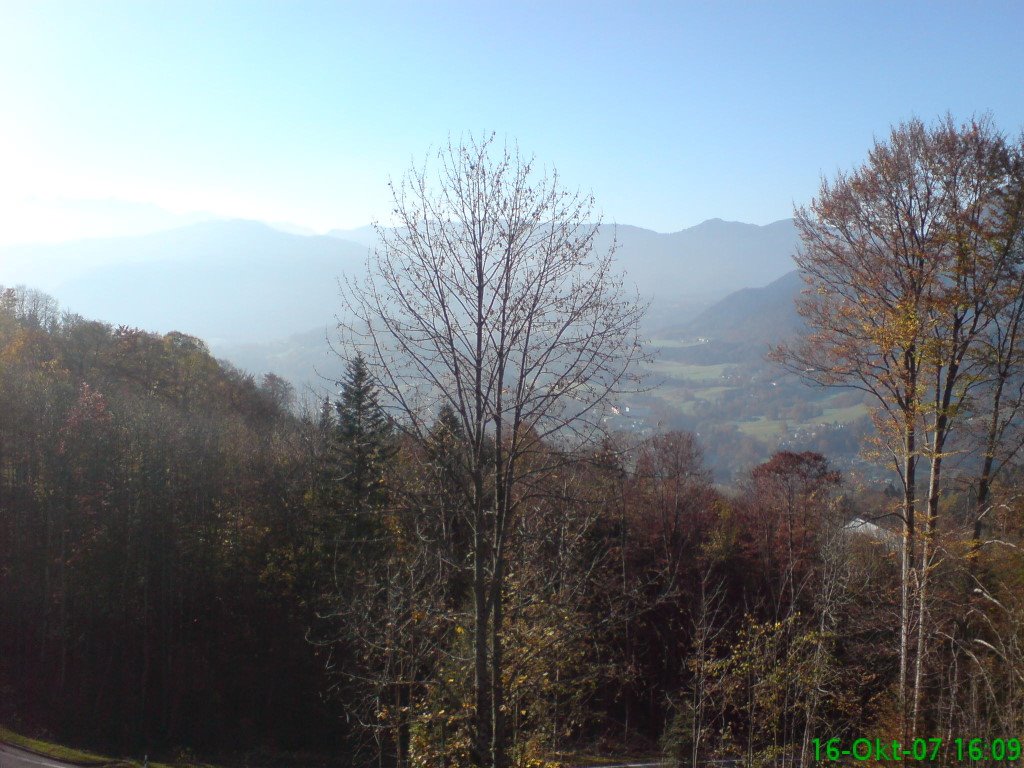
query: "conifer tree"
363, 441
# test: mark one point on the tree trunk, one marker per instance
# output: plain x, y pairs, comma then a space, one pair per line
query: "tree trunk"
944, 399
922, 589
909, 503
499, 756
481, 679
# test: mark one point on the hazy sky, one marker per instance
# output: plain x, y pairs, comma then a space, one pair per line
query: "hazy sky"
299, 112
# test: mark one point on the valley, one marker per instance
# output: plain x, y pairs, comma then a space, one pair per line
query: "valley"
265, 300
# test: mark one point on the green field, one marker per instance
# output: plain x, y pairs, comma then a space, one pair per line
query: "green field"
843, 415
682, 372
762, 429
765, 429
687, 386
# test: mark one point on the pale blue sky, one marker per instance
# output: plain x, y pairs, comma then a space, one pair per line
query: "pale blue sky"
671, 113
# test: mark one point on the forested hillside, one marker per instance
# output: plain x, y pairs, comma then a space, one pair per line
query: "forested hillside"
149, 500
187, 565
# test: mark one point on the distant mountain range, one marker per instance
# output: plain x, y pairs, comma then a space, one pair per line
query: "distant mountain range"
245, 286
219, 280
710, 259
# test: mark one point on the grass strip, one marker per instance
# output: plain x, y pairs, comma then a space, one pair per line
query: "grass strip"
68, 754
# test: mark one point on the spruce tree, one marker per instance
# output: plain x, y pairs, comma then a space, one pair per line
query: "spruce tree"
363, 441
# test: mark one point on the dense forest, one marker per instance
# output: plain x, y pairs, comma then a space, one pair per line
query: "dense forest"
191, 564
172, 534
149, 496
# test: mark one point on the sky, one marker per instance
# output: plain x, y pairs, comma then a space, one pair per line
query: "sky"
119, 117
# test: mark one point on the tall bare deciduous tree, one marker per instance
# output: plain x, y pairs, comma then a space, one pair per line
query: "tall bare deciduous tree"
489, 297
910, 262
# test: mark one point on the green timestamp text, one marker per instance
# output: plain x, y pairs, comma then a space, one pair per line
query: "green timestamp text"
880, 750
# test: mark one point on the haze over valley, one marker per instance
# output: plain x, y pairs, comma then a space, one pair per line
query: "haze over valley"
720, 294
230, 281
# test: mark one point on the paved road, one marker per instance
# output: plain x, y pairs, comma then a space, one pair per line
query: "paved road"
12, 757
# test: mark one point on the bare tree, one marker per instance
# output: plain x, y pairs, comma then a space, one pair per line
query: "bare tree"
489, 297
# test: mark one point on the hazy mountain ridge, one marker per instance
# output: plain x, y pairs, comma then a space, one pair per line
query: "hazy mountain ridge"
764, 313
305, 359
714, 257
711, 258
220, 280
742, 326
253, 292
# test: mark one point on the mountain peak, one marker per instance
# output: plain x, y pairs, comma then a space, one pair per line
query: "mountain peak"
717, 224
